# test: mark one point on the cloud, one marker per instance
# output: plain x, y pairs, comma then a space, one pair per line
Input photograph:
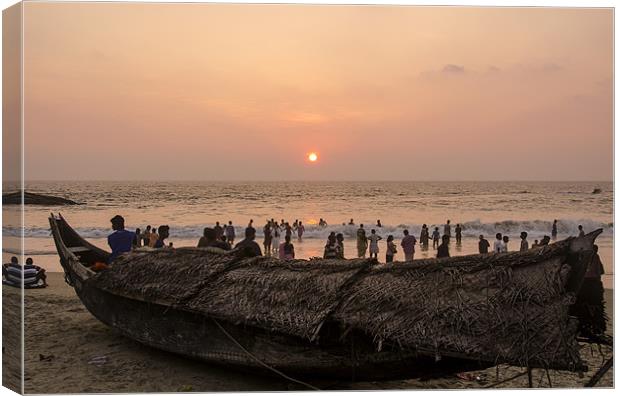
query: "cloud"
453, 69
552, 67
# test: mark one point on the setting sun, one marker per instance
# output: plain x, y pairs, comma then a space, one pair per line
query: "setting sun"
312, 157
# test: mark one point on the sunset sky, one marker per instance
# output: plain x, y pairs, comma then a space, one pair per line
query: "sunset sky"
245, 92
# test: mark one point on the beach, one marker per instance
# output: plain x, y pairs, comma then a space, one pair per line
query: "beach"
67, 350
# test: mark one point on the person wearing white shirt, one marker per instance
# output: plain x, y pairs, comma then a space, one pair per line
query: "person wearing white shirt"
498, 245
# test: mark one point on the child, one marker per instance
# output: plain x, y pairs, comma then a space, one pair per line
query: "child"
436, 238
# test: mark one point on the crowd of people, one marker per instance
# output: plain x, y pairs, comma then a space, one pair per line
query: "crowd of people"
222, 236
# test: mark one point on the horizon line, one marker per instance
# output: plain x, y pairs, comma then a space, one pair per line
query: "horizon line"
314, 181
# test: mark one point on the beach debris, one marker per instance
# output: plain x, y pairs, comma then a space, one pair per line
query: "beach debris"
98, 360
43, 358
596, 191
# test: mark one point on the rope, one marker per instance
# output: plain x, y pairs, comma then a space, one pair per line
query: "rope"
231, 338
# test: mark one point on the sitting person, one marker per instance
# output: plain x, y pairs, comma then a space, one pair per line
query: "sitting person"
163, 232
248, 246
210, 239
121, 240
30, 269
30, 274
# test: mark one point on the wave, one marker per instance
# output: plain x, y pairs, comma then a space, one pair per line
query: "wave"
535, 228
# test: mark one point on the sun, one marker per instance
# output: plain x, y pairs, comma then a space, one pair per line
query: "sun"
312, 157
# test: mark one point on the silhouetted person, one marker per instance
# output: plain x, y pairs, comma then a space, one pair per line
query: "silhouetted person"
230, 233
340, 241
447, 230
120, 240
286, 250
497, 245
483, 245
457, 233
163, 232
554, 230
209, 239
581, 232
362, 241
137, 239
391, 249
219, 231
444, 250
436, 238
408, 244
374, 244
505, 241
524, 244
248, 246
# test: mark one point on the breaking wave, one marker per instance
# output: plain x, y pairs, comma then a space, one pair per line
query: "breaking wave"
470, 228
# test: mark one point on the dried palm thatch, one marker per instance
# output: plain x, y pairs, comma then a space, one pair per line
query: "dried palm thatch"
505, 308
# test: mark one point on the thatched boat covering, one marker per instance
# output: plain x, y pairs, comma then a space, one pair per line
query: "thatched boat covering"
503, 308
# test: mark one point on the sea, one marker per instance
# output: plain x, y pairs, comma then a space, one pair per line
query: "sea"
187, 207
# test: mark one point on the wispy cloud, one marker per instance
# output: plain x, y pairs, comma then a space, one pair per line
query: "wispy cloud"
453, 69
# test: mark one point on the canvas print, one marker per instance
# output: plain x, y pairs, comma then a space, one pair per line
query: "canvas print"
295, 197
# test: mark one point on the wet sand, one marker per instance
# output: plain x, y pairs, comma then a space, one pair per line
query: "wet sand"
67, 350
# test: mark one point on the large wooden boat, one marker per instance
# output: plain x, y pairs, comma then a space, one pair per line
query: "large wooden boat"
350, 319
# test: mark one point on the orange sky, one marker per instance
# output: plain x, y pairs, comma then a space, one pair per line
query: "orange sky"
229, 92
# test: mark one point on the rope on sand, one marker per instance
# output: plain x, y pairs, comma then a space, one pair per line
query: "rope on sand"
231, 338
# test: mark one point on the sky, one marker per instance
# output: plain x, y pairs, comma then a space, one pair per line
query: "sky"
244, 92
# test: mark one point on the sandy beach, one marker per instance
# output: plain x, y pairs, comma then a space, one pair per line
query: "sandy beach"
67, 350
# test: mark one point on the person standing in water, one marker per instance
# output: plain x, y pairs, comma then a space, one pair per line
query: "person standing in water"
275, 243
581, 233
230, 233
288, 230
447, 230
457, 233
267, 239
505, 241
436, 238
408, 245
146, 235
483, 245
554, 230
219, 231
351, 222
331, 248
300, 231
153, 237
137, 239
286, 250
497, 245
379, 224
524, 244
391, 249
443, 250
340, 241
424, 237
374, 244
362, 241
